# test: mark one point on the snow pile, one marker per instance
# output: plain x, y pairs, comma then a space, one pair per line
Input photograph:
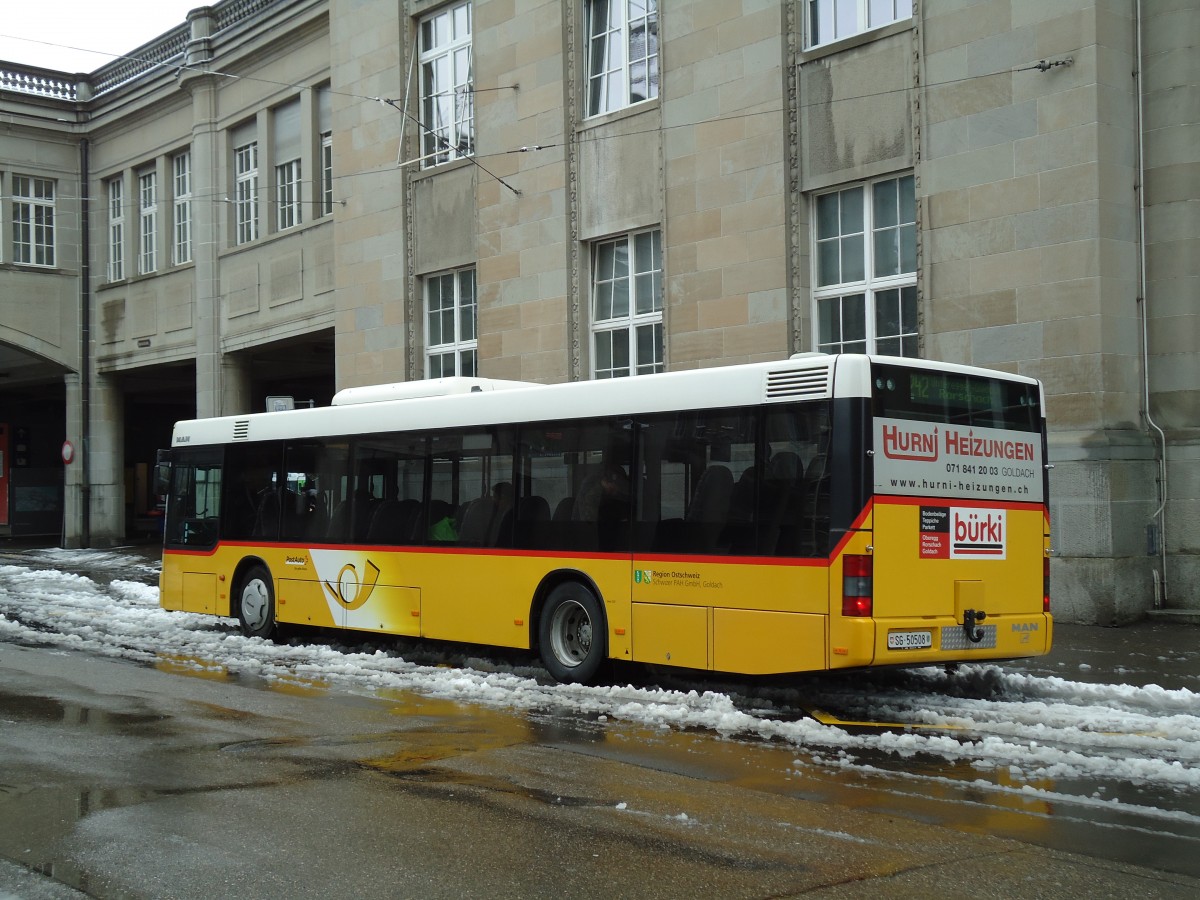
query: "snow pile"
1044, 737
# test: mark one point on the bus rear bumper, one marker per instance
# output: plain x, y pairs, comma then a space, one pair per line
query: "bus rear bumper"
944, 640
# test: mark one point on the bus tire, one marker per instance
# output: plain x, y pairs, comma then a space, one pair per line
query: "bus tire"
256, 603
571, 634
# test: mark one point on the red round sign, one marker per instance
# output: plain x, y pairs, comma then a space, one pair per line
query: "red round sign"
68, 451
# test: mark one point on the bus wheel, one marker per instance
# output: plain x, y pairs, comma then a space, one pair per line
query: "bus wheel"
571, 634
256, 603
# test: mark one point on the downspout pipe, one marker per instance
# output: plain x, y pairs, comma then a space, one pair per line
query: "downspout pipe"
85, 356
1160, 592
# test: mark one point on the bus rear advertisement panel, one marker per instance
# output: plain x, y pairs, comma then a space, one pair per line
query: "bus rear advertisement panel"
817, 513
924, 459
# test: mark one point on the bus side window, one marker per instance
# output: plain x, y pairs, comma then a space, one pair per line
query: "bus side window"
699, 490
251, 479
573, 489
796, 500
814, 538
316, 471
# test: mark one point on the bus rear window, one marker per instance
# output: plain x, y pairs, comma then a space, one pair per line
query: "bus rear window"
932, 396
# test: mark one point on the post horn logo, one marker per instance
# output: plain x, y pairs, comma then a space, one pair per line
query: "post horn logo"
350, 591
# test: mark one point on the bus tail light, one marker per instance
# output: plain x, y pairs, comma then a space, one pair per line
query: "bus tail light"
857, 584
1045, 584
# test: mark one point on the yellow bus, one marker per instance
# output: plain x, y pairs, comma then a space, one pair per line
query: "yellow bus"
822, 512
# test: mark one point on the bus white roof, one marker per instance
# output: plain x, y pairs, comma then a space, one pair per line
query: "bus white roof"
429, 387
438, 404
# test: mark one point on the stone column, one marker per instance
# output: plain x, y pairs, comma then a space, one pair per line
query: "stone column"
74, 482
235, 385
104, 456
208, 214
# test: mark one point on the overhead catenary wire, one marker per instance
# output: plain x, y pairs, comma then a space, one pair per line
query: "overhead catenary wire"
1044, 65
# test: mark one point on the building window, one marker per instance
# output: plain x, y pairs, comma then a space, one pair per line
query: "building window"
326, 206
627, 320
451, 343
33, 221
447, 98
287, 195
116, 229
286, 142
147, 222
245, 192
181, 182
324, 106
832, 20
866, 262
622, 53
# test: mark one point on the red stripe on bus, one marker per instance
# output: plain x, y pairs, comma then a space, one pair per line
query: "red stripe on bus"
898, 500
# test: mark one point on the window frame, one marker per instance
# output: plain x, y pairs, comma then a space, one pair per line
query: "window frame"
181, 207
245, 192
116, 228
454, 139
147, 180
34, 201
868, 15
632, 322
858, 301
461, 346
601, 71
326, 205
288, 211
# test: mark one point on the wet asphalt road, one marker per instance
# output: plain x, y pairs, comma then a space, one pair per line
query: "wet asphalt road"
121, 780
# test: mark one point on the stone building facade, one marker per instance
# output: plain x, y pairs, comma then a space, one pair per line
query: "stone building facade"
290, 197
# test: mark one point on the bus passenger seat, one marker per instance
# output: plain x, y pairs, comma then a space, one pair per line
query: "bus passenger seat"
710, 500
441, 528
393, 522
477, 521
266, 523
587, 501
786, 468
316, 523
743, 497
534, 509
708, 512
743, 511
562, 511
785, 490
339, 523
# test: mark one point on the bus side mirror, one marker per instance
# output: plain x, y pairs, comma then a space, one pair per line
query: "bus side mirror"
162, 473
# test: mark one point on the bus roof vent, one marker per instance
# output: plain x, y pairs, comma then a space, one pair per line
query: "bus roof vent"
241, 430
790, 384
